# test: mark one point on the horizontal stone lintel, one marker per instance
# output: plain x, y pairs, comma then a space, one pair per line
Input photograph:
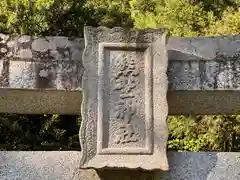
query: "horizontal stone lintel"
35, 101
201, 63
204, 63
53, 165
62, 75
203, 74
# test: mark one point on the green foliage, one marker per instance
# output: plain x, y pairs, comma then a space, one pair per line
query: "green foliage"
62, 17
67, 18
183, 18
204, 133
216, 6
180, 17
228, 25
193, 144
21, 16
43, 132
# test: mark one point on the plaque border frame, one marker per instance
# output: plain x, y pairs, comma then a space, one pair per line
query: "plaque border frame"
148, 97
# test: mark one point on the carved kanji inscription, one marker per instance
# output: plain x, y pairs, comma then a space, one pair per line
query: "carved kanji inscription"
124, 107
126, 81
124, 125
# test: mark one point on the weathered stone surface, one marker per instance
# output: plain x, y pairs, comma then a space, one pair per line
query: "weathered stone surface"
40, 102
41, 62
204, 63
38, 165
124, 107
195, 64
200, 102
65, 166
201, 63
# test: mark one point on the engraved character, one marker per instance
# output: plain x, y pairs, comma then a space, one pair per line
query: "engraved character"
131, 84
120, 109
119, 84
126, 132
125, 82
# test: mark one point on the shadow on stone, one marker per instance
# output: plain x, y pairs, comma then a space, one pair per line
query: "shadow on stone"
189, 165
125, 174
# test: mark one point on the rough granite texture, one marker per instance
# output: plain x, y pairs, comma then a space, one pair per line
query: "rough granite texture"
204, 63
124, 107
65, 166
211, 64
40, 102
202, 102
201, 63
41, 62
54, 63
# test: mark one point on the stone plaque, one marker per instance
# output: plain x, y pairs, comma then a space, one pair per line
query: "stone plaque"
124, 105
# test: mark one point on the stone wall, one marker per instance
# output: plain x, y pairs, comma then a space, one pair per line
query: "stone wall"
44, 66
207, 63
64, 166
204, 63
43, 75
41, 62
